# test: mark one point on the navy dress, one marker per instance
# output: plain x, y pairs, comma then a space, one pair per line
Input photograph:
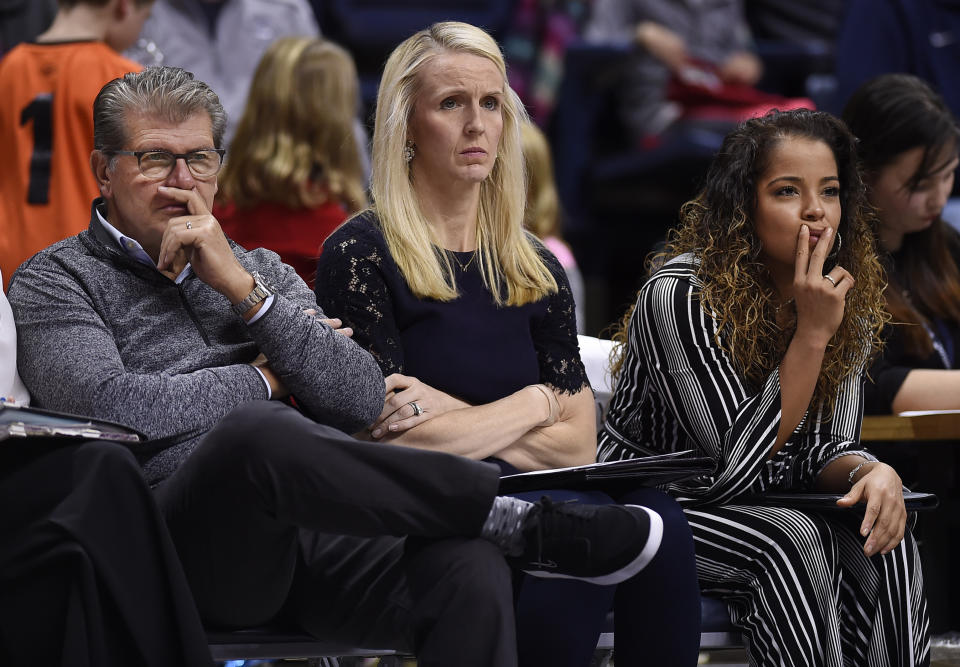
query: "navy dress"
477, 351
469, 347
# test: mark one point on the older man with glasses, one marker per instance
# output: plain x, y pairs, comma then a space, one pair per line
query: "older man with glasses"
154, 319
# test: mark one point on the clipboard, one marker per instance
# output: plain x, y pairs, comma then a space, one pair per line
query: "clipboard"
613, 476
822, 502
20, 421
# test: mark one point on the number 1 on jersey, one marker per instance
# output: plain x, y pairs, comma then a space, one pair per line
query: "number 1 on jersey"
40, 111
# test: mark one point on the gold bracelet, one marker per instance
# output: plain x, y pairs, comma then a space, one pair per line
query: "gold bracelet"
544, 390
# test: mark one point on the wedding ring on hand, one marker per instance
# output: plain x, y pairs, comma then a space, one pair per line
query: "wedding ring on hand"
189, 225
830, 278
417, 410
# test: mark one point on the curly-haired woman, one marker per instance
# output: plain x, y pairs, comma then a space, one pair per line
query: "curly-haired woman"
748, 343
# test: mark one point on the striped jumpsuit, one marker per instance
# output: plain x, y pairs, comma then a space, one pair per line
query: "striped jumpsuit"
796, 583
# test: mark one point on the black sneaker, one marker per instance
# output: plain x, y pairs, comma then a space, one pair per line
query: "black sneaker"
600, 544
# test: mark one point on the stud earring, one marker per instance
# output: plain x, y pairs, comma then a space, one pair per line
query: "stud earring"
409, 151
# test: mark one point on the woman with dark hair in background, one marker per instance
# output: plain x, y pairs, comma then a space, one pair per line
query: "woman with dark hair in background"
908, 141
748, 344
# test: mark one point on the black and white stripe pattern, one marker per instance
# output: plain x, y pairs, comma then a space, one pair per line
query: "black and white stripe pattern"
797, 583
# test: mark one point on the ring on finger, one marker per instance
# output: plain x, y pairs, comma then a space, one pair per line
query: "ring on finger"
830, 278
417, 410
189, 224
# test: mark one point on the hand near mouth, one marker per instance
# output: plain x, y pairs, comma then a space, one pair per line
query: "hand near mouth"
197, 238
819, 297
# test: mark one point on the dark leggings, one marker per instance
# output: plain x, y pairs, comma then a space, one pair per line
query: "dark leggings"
657, 620
657, 612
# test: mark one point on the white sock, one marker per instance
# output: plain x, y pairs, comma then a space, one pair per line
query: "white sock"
504, 524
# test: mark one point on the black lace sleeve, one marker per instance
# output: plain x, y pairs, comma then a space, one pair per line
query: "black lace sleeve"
555, 335
351, 285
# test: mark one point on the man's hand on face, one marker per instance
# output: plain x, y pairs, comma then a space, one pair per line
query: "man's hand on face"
198, 239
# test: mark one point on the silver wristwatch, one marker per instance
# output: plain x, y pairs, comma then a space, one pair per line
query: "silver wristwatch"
261, 290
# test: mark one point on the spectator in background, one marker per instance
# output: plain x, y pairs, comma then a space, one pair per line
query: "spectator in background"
798, 41
221, 41
535, 46
920, 37
814, 22
293, 172
542, 215
908, 142
46, 121
23, 20
702, 44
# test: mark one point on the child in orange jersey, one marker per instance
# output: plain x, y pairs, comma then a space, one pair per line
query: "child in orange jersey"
46, 121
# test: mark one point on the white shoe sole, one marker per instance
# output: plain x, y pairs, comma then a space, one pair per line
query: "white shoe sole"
641, 561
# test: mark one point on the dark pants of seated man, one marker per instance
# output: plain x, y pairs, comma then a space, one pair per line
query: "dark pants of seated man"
273, 512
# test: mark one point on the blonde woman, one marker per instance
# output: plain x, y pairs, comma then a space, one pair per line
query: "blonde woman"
543, 209
472, 321
294, 171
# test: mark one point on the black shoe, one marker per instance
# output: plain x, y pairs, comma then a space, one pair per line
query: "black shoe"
600, 544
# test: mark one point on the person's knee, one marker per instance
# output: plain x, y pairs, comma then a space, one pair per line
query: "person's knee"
248, 436
677, 540
803, 532
107, 460
261, 446
267, 429
794, 541
108, 454
251, 421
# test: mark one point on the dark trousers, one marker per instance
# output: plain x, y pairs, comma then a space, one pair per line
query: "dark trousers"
657, 620
88, 575
657, 611
560, 620
273, 512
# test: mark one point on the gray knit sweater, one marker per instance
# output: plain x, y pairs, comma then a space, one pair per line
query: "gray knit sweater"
103, 335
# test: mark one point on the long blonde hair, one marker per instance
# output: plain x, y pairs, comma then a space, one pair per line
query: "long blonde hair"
508, 260
295, 143
543, 203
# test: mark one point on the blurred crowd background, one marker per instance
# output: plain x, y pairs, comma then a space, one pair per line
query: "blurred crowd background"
634, 96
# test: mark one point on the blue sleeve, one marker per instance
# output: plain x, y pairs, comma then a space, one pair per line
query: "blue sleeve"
874, 39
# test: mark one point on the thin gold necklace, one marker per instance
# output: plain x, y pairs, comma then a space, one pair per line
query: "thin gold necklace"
463, 267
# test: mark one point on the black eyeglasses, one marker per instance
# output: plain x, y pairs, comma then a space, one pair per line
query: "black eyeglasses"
158, 165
